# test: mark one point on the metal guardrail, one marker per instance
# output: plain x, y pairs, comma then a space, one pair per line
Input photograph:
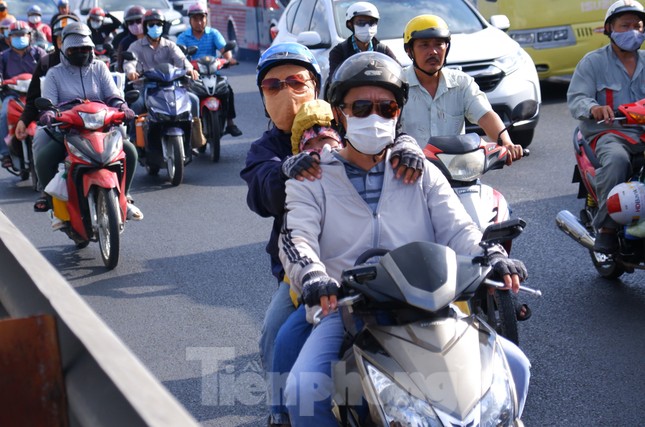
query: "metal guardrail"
106, 384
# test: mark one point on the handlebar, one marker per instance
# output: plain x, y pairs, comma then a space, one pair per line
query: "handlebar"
500, 285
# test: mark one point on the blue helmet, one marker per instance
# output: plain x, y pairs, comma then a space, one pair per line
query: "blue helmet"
288, 53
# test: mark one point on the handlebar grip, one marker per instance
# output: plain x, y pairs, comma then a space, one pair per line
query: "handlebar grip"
526, 152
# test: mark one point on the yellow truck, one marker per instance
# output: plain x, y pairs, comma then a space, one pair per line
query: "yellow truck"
556, 33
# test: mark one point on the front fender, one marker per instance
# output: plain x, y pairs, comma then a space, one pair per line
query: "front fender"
101, 178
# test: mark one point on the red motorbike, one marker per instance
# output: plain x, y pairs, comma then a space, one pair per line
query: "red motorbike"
95, 174
19, 150
631, 253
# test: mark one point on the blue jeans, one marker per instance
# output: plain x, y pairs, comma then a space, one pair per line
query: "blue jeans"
278, 311
4, 125
310, 385
290, 339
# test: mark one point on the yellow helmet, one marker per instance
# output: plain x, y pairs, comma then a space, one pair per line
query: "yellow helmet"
426, 27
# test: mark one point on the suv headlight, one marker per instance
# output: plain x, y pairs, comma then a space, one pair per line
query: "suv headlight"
399, 406
511, 62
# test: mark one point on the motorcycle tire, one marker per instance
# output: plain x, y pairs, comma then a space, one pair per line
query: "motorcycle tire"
175, 158
606, 266
498, 311
107, 213
213, 132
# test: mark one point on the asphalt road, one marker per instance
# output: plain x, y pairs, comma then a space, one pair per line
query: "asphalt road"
193, 283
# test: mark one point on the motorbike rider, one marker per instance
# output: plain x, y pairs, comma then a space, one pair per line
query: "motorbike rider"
288, 75
441, 98
63, 9
21, 58
101, 31
4, 10
324, 225
78, 76
604, 79
362, 20
209, 41
40, 32
152, 50
132, 31
5, 23
30, 112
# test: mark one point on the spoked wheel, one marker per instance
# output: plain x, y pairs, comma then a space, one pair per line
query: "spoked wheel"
213, 131
174, 158
498, 310
107, 212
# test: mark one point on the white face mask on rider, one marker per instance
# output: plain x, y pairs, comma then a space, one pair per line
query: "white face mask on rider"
370, 135
365, 33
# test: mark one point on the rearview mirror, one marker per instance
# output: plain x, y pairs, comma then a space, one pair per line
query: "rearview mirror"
503, 231
43, 104
131, 96
525, 110
129, 56
312, 40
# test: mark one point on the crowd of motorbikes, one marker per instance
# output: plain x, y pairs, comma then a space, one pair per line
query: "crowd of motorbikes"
448, 322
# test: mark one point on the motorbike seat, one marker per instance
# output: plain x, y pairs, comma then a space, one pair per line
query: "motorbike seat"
456, 144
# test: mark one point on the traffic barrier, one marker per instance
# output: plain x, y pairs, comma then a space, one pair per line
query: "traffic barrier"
106, 384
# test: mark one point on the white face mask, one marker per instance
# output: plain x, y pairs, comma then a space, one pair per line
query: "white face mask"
370, 135
34, 19
365, 33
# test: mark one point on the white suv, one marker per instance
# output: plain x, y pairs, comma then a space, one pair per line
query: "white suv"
503, 70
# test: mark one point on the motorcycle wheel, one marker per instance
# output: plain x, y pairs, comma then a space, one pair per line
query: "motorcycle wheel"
498, 311
174, 159
107, 212
213, 131
606, 266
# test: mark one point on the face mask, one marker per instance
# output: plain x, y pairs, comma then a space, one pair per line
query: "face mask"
628, 41
20, 42
34, 19
365, 33
136, 29
283, 106
95, 24
370, 135
155, 32
80, 59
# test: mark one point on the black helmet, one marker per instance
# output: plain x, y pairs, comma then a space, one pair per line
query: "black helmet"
134, 12
61, 22
153, 15
368, 69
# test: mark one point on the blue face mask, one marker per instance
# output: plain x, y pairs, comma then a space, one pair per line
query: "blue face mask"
155, 31
628, 41
19, 42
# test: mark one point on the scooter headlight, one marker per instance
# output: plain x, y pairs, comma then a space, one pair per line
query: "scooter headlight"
464, 167
93, 121
112, 145
399, 406
497, 408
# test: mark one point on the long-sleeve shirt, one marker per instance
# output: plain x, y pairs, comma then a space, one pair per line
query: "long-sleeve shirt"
598, 73
458, 98
148, 57
13, 63
30, 113
65, 82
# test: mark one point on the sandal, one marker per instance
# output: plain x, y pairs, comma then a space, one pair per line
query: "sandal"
41, 205
518, 312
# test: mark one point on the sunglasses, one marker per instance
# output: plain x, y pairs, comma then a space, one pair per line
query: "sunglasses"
76, 49
295, 82
134, 21
154, 24
364, 107
3, 8
364, 22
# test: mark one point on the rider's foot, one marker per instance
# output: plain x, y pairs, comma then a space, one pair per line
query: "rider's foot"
57, 223
134, 213
606, 241
8, 164
233, 130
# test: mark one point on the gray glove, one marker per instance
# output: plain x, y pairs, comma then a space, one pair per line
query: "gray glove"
503, 265
294, 165
406, 148
317, 284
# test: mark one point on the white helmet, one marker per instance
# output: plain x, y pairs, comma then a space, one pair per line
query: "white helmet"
626, 202
361, 8
624, 6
